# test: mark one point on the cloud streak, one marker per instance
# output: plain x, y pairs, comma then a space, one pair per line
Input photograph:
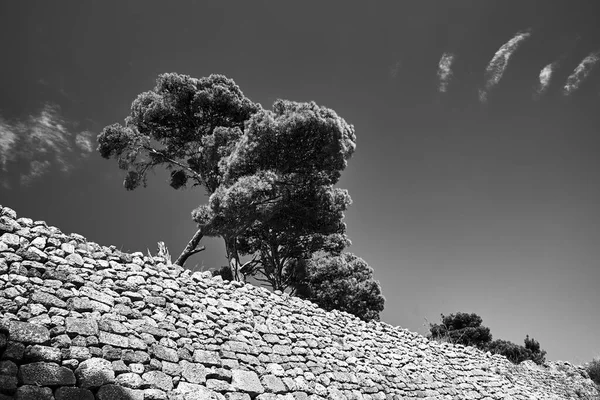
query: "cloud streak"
445, 71
581, 72
545, 78
498, 64
41, 141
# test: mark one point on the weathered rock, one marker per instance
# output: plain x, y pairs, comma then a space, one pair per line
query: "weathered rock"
192, 391
27, 333
115, 392
73, 393
46, 374
193, 372
81, 326
94, 373
133, 327
129, 380
28, 392
164, 353
48, 300
157, 380
273, 384
43, 353
246, 381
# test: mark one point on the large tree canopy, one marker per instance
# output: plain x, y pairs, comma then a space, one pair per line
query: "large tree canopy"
186, 125
270, 174
344, 282
277, 196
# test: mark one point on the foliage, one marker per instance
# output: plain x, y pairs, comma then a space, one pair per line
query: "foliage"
277, 199
536, 354
516, 353
462, 328
184, 124
344, 282
593, 370
269, 174
466, 329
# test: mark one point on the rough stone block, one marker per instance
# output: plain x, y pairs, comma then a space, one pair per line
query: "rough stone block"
48, 300
273, 384
8, 367
115, 392
193, 372
192, 391
94, 372
46, 374
28, 392
81, 326
238, 396
208, 358
25, 332
246, 381
8, 384
113, 339
73, 393
43, 353
164, 353
157, 380
130, 380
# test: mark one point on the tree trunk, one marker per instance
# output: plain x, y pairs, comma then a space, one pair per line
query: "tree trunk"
232, 257
190, 249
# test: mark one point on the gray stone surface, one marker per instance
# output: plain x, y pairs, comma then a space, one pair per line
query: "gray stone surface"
94, 373
129, 326
45, 374
115, 392
27, 333
28, 392
73, 393
247, 382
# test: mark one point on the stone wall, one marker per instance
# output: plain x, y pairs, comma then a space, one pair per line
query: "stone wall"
84, 321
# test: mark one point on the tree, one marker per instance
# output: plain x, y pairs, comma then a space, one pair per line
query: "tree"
186, 125
516, 353
537, 355
343, 282
466, 329
277, 200
593, 370
270, 175
462, 328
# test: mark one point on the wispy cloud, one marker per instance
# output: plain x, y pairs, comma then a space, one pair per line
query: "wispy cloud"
41, 141
395, 69
545, 77
445, 71
581, 72
498, 64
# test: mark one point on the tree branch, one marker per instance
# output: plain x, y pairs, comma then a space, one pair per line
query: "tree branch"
154, 151
190, 249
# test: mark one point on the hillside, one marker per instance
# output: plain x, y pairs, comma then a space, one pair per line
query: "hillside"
84, 321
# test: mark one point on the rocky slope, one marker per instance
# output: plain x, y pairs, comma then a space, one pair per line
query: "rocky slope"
84, 321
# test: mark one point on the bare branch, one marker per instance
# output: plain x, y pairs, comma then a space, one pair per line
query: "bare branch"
190, 249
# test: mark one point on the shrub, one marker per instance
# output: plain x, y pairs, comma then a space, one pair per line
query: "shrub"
516, 353
593, 370
461, 328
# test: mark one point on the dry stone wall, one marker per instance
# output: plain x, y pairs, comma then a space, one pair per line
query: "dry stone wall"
84, 321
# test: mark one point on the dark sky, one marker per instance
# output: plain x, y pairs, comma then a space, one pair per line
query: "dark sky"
460, 204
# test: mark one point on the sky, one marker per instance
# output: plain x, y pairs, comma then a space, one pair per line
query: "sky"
475, 179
